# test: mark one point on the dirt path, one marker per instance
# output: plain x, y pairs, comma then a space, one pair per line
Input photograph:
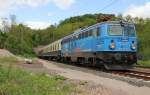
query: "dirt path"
114, 86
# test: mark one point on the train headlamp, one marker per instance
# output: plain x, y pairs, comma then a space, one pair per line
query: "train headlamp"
133, 46
112, 45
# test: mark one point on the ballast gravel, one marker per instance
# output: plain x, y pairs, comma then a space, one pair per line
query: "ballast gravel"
117, 85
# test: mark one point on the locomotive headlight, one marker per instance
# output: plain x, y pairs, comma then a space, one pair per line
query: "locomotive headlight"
133, 45
112, 45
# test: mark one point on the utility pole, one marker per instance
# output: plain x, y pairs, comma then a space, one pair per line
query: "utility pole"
5, 26
13, 19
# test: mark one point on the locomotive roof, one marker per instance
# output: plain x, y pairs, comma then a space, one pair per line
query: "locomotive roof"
95, 25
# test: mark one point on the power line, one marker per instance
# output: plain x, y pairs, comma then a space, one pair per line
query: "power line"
110, 4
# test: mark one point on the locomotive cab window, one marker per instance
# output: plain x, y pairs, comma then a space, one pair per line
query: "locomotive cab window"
129, 31
115, 30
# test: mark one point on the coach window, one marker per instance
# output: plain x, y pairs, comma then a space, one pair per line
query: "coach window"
57, 46
54, 47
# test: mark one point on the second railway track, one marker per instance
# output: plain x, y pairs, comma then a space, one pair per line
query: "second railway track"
134, 74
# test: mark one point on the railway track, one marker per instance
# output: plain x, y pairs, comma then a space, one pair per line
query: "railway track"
134, 74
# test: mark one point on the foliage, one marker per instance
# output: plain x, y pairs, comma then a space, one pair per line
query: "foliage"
144, 63
9, 59
143, 32
14, 81
21, 39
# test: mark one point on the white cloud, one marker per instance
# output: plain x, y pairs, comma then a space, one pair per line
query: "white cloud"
139, 11
63, 4
31, 3
50, 14
7, 5
37, 24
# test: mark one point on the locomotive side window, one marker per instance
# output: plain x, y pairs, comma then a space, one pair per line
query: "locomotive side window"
115, 30
90, 33
74, 38
80, 36
86, 34
95, 32
98, 32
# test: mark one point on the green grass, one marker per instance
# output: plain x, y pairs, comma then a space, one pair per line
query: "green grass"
144, 63
8, 59
14, 81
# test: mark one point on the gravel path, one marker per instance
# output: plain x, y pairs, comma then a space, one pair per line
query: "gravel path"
5, 53
109, 86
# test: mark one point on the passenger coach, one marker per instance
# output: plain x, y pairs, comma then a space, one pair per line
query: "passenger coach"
51, 51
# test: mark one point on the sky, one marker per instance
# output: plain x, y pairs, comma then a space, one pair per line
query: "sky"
39, 14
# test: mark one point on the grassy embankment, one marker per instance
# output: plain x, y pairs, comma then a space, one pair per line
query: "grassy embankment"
14, 81
144, 63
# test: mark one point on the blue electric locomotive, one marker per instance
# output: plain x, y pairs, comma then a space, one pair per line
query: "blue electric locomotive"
112, 44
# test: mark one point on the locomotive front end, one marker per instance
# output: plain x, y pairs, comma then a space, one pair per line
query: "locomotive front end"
119, 45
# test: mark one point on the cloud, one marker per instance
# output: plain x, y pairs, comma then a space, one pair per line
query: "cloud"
31, 3
6, 5
50, 14
63, 4
142, 11
37, 24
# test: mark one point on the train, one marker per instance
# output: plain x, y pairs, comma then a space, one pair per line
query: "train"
110, 44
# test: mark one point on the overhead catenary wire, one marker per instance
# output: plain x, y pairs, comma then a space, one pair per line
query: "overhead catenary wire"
110, 4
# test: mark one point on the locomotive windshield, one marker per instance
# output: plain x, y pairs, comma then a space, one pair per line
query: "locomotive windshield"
118, 30
129, 30
115, 30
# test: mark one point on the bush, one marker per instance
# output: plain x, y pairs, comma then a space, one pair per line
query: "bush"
14, 81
